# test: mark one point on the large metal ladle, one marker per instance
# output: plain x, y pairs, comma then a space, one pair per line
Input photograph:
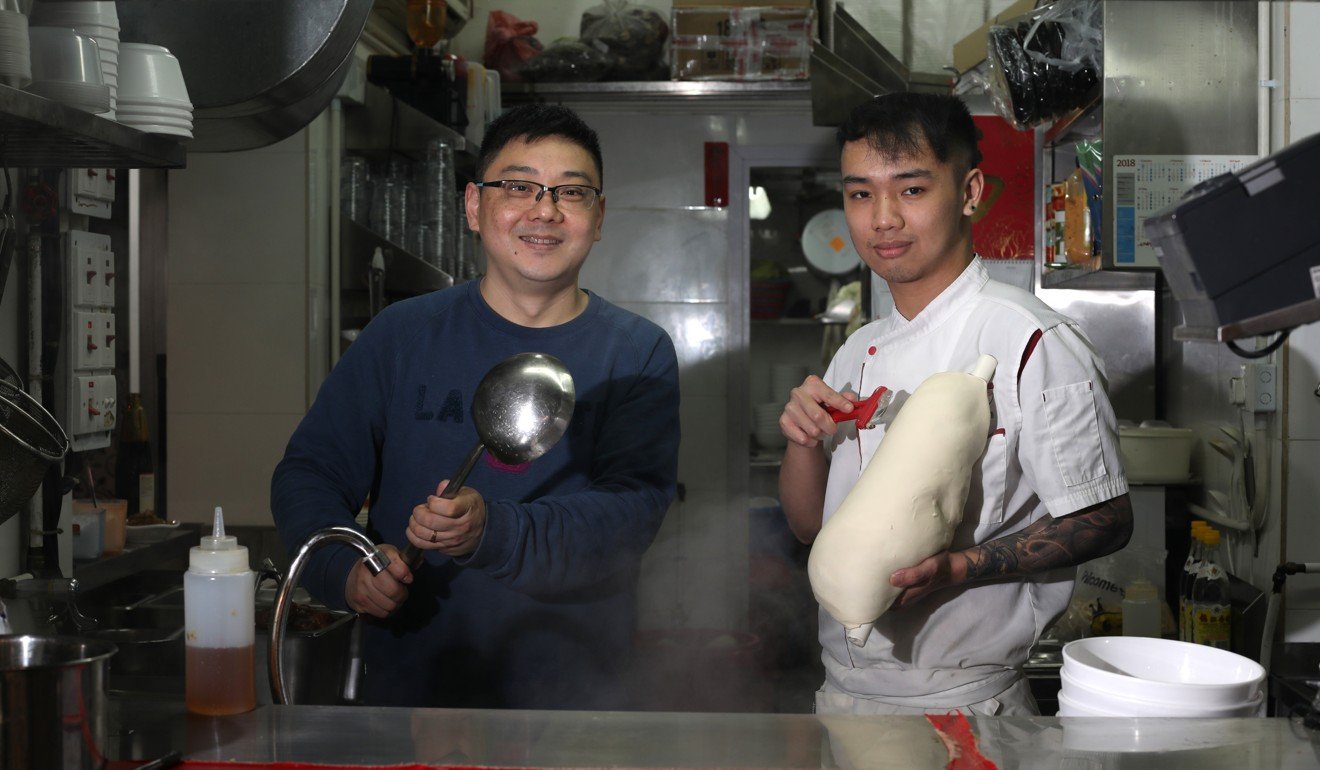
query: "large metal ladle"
521, 409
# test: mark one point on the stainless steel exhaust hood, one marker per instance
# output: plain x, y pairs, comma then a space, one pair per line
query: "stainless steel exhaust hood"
257, 71
852, 66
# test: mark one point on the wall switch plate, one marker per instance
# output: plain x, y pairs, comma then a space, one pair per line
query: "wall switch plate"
91, 191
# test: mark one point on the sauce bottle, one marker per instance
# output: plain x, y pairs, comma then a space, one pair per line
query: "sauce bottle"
219, 591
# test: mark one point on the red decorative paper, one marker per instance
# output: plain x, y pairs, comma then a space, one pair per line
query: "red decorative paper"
1003, 225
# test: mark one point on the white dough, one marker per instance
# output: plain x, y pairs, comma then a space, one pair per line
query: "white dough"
907, 502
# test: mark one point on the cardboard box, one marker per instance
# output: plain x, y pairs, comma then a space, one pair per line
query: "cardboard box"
733, 41
971, 50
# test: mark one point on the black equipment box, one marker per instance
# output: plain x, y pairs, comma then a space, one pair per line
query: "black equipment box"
1247, 243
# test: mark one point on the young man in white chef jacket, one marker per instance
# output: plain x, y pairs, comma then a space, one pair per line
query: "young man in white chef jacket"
1047, 494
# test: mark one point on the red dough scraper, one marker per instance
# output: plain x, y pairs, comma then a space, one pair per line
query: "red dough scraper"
866, 412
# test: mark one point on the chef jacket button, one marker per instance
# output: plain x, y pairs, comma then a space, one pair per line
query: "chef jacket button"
871, 350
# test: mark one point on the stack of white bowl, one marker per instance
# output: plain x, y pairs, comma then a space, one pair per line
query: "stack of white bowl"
765, 425
97, 20
152, 95
785, 377
15, 60
66, 68
1136, 676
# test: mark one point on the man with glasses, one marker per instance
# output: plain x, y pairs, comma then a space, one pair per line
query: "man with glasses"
526, 597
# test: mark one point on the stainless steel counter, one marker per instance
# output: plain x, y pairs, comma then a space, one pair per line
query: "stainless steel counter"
341, 735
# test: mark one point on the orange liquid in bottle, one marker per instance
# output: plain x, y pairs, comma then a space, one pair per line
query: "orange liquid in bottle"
426, 22
219, 680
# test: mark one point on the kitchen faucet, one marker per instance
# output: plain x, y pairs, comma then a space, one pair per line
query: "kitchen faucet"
376, 562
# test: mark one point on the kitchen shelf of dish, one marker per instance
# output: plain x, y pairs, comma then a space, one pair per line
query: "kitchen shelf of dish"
767, 459
385, 124
799, 321
36, 132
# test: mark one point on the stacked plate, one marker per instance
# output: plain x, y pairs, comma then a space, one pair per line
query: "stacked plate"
765, 424
97, 20
1135, 676
153, 97
15, 61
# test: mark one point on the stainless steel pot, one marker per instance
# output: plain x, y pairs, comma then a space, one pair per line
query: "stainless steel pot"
52, 702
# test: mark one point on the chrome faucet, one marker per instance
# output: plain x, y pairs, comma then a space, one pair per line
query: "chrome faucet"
375, 560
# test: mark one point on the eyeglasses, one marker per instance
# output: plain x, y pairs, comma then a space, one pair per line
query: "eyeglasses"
578, 197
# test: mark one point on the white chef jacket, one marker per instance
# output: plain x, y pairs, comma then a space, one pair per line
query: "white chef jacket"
1053, 450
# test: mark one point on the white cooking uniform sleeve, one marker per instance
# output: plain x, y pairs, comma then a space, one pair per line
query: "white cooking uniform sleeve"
1069, 439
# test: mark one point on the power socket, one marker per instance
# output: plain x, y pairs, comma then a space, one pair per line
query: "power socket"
1260, 387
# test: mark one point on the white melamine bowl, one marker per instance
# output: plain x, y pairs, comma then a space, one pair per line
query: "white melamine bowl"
1110, 704
150, 72
1163, 670
71, 13
59, 54
156, 102
177, 113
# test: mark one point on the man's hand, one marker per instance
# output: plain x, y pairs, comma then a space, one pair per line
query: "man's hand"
452, 527
931, 574
805, 421
378, 595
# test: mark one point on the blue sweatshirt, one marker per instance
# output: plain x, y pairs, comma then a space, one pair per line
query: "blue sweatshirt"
542, 614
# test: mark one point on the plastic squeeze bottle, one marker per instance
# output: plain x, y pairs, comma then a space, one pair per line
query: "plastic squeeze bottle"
1141, 609
219, 591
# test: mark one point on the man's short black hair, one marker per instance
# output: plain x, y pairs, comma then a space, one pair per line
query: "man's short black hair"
530, 122
896, 124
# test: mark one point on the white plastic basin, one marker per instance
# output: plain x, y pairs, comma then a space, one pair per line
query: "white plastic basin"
1163, 670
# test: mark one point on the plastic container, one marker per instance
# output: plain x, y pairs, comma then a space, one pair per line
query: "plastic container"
1155, 455
219, 623
1141, 609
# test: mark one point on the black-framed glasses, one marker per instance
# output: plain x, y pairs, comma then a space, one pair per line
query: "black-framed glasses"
528, 194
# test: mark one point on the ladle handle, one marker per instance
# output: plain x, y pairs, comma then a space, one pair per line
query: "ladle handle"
412, 555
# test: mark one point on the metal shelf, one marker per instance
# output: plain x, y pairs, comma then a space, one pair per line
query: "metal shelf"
1082, 277
675, 92
36, 132
387, 123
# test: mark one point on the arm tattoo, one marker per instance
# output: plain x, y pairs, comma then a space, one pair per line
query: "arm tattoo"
1052, 542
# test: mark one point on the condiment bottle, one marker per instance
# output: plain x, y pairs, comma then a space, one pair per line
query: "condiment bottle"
1141, 609
1211, 603
218, 599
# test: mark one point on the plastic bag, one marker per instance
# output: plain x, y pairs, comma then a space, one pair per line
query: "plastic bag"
566, 61
1096, 608
1047, 62
510, 43
632, 36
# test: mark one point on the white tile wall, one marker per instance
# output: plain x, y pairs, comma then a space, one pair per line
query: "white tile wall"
225, 459
235, 349
1301, 625
1303, 378
1304, 59
240, 217
247, 287
1302, 537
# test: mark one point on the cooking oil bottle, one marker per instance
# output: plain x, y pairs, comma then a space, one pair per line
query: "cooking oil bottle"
1186, 580
218, 604
1210, 598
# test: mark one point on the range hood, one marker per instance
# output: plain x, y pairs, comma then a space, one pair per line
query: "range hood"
850, 66
256, 71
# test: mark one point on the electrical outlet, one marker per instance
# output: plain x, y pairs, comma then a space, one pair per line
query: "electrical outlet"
105, 328
93, 404
107, 279
1260, 387
87, 264
85, 341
